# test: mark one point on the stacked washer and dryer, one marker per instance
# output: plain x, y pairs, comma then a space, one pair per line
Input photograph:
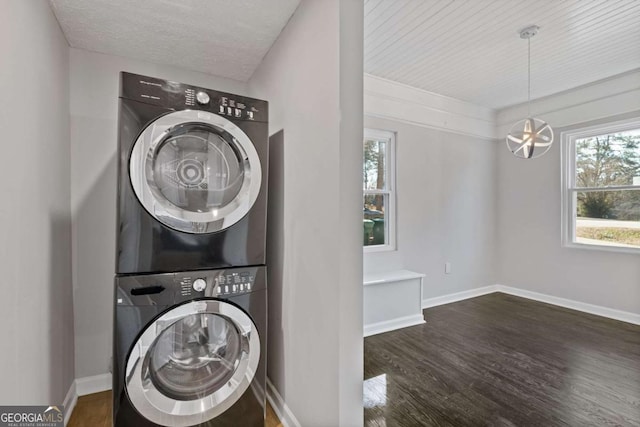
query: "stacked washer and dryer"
190, 307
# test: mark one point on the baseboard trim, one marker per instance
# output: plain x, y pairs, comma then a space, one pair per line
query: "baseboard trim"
70, 401
93, 384
391, 325
458, 296
598, 310
280, 407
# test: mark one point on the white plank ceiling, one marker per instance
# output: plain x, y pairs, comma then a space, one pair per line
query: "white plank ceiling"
471, 49
221, 37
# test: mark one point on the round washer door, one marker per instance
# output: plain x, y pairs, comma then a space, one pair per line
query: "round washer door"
192, 363
195, 171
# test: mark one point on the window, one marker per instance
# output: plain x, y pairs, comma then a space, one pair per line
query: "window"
601, 183
379, 190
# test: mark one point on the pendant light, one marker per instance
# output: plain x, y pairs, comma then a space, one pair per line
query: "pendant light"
531, 137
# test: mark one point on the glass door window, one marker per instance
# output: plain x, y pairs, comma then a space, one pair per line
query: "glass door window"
195, 356
192, 363
195, 171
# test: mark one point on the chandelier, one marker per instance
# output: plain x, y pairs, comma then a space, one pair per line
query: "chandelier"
531, 137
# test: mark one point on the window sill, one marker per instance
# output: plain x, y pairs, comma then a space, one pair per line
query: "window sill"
378, 248
390, 277
603, 248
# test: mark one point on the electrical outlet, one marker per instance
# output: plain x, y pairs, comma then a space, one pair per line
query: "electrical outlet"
447, 268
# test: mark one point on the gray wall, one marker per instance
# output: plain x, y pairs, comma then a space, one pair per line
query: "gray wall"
446, 208
530, 251
315, 95
36, 357
94, 113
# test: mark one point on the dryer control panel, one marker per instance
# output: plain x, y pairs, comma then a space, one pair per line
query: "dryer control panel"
180, 96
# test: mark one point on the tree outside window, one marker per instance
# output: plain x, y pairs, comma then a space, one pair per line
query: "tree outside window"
604, 189
378, 196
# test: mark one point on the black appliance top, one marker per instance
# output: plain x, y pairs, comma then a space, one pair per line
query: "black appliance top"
180, 96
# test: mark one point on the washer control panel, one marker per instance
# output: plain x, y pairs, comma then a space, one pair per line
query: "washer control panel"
199, 285
219, 283
202, 98
187, 285
234, 282
170, 288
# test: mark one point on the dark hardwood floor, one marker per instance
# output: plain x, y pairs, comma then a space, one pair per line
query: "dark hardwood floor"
500, 360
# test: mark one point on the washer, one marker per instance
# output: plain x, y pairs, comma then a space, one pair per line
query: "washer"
191, 179
190, 349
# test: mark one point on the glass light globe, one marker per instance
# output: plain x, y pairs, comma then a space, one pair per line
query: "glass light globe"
530, 138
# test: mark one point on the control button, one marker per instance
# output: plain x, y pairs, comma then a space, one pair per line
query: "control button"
222, 109
226, 289
250, 115
238, 112
230, 111
241, 287
248, 286
219, 290
202, 98
199, 285
235, 288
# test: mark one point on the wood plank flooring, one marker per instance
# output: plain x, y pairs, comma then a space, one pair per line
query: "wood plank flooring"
500, 360
94, 410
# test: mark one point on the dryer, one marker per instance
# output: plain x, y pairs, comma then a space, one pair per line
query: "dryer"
192, 170
190, 349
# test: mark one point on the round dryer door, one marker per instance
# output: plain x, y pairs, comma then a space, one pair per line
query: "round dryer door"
192, 363
195, 171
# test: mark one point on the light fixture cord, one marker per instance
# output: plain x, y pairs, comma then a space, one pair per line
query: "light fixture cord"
529, 77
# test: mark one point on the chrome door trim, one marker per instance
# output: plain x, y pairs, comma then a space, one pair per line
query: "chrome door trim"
163, 410
141, 175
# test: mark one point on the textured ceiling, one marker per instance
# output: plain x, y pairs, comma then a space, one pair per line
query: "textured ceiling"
471, 50
221, 37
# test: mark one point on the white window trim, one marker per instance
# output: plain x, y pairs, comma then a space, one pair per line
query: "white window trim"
568, 163
390, 210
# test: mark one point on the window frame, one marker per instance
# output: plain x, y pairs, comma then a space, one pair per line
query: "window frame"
390, 180
569, 188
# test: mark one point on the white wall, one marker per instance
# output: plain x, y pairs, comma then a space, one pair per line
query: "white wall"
350, 292
530, 251
312, 78
446, 208
94, 113
36, 355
